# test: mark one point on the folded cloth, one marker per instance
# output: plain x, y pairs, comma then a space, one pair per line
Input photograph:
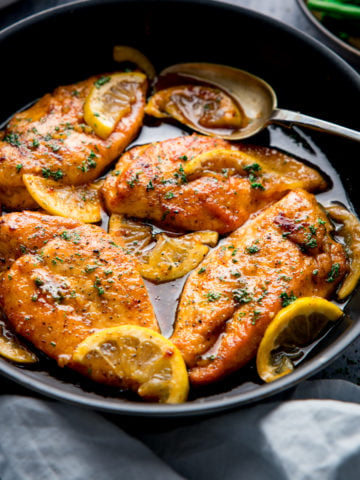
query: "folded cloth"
310, 433
45, 440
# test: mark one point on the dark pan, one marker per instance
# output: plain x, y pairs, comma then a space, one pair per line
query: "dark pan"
349, 52
68, 43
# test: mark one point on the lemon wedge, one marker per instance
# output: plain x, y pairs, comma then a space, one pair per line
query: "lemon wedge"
110, 99
81, 203
134, 236
198, 106
134, 358
12, 349
174, 257
235, 162
350, 231
294, 327
123, 53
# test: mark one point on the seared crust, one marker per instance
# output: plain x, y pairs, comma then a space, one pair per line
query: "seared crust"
284, 251
52, 135
75, 281
149, 182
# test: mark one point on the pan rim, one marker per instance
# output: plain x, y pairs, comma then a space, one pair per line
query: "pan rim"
228, 399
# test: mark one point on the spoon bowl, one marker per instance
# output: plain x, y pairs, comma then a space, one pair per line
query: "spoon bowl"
253, 95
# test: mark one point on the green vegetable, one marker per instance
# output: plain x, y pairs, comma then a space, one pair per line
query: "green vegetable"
339, 8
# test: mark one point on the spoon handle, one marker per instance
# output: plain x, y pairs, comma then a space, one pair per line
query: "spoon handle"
287, 116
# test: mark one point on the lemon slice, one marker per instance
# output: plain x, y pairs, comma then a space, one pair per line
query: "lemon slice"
122, 53
12, 349
135, 358
350, 231
134, 236
235, 162
110, 99
197, 106
174, 257
81, 203
295, 326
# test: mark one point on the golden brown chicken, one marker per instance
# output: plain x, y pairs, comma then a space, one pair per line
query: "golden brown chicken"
65, 281
27, 232
202, 183
284, 252
51, 139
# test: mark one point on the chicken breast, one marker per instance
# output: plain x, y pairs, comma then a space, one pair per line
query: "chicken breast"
27, 232
285, 251
74, 281
202, 183
51, 139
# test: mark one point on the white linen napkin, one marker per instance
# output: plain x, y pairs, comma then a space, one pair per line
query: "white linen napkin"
311, 432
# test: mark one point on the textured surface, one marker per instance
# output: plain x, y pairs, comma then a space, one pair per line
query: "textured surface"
249, 278
310, 436
286, 11
169, 183
68, 283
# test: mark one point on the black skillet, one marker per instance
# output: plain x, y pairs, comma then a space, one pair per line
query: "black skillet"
69, 43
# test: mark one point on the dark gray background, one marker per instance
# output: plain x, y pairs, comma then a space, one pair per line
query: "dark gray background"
287, 11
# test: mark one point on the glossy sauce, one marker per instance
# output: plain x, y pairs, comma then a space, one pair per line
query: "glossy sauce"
295, 142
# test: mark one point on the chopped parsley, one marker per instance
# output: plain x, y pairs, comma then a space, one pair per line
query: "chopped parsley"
169, 195
254, 183
13, 139
202, 270
242, 296
334, 272
56, 175
89, 162
213, 296
181, 175
38, 282
19, 166
256, 314
287, 299
149, 186
285, 278
311, 243
70, 236
253, 167
101, 81
252, 249
54, 147
98, 287
236, 274
134, 179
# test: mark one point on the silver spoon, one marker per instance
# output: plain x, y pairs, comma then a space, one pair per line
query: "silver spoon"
256, 98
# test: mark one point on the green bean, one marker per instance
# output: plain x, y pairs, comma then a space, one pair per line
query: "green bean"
342, 10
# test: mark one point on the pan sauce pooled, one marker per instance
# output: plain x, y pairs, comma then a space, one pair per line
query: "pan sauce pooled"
197, 106
188, 183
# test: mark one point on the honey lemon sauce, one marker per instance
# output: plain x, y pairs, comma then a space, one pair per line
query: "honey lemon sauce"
294, 142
